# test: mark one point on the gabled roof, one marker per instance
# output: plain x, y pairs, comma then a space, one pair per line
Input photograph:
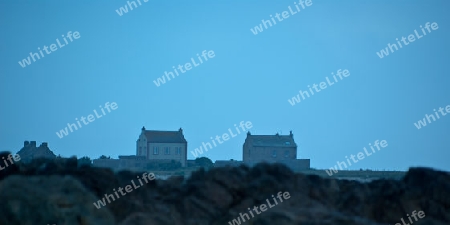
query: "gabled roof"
272, 140
156, 136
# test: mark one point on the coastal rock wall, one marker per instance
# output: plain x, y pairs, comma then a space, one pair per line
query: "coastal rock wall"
59, 192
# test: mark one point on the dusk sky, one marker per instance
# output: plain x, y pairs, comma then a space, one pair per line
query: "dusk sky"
250, 78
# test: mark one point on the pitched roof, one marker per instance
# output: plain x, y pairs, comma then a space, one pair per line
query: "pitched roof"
156, 136
272, 140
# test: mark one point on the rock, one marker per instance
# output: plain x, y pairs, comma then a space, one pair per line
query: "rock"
217, 196
49, 200
10, 168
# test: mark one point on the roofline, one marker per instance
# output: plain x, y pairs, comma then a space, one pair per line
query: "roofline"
287, 135
164, 130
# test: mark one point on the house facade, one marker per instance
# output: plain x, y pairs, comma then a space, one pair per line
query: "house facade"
273, 149
162, 145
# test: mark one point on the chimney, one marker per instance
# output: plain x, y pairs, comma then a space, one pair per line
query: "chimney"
290, 133
180, 130
33, 144
143, 128
26, 143
44, 144
248, 133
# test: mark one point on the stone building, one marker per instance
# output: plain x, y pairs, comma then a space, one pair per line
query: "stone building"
29, 151
162, 145
273, 149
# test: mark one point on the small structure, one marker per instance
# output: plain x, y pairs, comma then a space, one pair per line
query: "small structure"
225, 163
107, 163
125, 162
29, 151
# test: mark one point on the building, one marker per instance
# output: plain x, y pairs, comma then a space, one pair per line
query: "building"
162, 145
29, 151
225, 163
152, 148
156, 148
273, 149
132, 162
269, 148
124, 162
107, 163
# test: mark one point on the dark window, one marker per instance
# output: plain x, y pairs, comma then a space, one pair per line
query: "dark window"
167, 151
155, 150
274, 153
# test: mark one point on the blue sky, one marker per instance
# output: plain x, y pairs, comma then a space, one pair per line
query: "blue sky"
250, 78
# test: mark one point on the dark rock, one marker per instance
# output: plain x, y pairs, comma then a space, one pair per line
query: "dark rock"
10, 168
219, 195
49, 200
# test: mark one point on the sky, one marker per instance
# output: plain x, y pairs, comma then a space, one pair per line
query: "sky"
250, 78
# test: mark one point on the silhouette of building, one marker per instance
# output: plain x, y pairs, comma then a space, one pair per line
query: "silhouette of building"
29, 151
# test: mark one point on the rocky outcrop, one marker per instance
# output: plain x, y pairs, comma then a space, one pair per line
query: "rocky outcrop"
49, 200
218, 196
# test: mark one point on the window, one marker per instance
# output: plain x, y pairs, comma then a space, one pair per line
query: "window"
274, 153
177, 150
286, 153
167, 150
288, 143
155, 150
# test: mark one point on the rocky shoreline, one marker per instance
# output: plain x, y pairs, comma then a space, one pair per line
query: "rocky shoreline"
61, 192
